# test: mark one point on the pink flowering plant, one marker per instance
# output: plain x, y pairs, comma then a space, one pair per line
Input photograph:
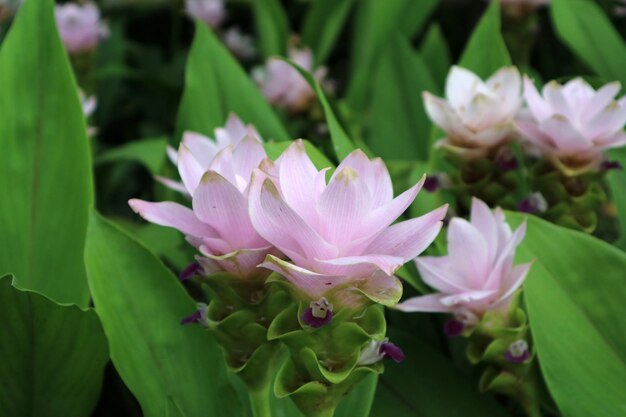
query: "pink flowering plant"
312, 208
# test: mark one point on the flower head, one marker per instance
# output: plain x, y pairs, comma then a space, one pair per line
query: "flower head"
239, 44
476, 115
283, 85
211, 12
218, 224
197, 152
338, 236
477, 274
80, 26
573, 124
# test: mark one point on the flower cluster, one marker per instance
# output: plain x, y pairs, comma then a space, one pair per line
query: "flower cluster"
80, 26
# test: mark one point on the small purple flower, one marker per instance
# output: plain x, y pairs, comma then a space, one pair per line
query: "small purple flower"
517, 352
610, 165
199, 316
190, 271
453, 328
319, 313
505, 159
534, 203
376, 351
436, 181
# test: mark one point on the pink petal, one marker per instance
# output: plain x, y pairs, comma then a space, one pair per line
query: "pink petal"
174, 185
505, 258
217, 202
247, 156
461, 86
608, 122
474, 300
280, 225
426, 303
507, 83
359, 266
381, 288
555, 99
202, 148
566, 137
242, 263
484, 220
602, 98
342, 207
444, 116
189, 169
172, 215
468, 250
438, 273
513, 281
373, 173
409, 238
537, 105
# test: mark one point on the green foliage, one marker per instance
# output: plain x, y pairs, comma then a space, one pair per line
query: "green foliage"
426, 384
274, 149
272, 26
148, 152
52, 357
399, 127
583, 27
342, 145
216, 85
45, 183
575, 298
436, 54
140, 304
486, 51
323, 24
617, 184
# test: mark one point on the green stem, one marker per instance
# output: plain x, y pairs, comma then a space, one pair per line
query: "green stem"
260, 401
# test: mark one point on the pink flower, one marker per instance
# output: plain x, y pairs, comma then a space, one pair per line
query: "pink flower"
218, 225
211, 12
241, 45
572, 123
338, 236
476, 115
283, 85
196, 153
80, 26
477, 274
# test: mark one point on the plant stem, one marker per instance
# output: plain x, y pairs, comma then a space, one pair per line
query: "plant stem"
260, 401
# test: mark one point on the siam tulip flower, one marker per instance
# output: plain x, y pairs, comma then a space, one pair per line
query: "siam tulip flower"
218, 224
80, 27
477, 116
573, 124
239, 44
211, 12
198, 151
338, 236
375, 351
283, 85
477, 274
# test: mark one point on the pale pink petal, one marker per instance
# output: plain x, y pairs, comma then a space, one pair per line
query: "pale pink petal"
537, 105
438, 273
602, 98
174, 185
381, 288
555, 99
513, 281
609, 121
342, 207
614, 141
461, 86
202, 148
505, 258
247, 156
468, 248
172, 215
430, 303
358, 266
482, 217
482, 112
478, 300
217, 202
373, 172
241, 263
566, 137
409, 238
507, 83
172, 154
189, 169
224, 164
444, 116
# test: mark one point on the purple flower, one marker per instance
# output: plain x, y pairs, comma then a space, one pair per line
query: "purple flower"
534, 203
517, 352
375, 351
80, 26
318, 314
211, 12
199, 316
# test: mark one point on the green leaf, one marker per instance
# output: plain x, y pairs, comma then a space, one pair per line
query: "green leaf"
140, 304
323, 23
617, 184
342, 145
274, 149
45, 180
377, 21
215, 85
272, 26
148, 152
52, 357
486, 51
583, 27
426, 384
575, 296
436, 53
399, 127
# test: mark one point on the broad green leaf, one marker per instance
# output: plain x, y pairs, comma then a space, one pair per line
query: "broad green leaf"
140, 304
376, 22
274, 149
435, 52
323, 23
583, 27
575, 296
215, 85
426, 384
617, 184
342, 145
486, 51
399, 127
52, 357
272, 26
45, 179
148, 152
